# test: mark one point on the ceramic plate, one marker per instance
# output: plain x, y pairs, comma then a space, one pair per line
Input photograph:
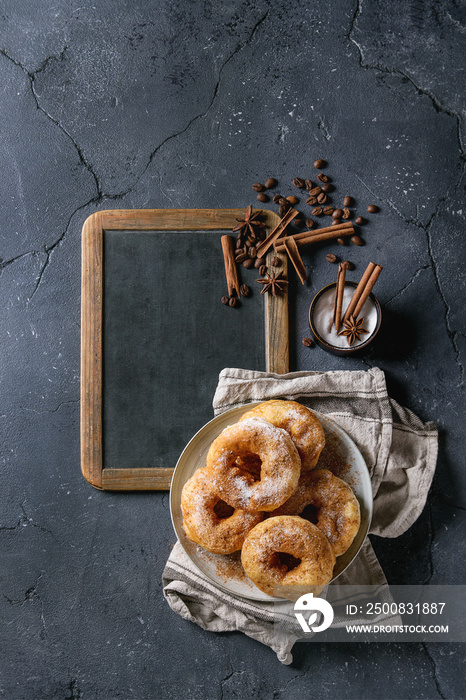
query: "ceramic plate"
340, 455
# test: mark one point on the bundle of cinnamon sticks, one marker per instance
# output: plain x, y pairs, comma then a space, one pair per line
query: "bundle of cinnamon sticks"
361, 293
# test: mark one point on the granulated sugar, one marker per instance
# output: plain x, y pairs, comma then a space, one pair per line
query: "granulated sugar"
323, 317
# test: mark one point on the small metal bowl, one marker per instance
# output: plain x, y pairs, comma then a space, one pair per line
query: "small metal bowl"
349, 351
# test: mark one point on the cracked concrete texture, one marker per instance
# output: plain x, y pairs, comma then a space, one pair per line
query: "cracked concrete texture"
150, 104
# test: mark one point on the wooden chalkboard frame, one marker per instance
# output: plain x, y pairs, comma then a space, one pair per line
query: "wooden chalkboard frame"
92, 285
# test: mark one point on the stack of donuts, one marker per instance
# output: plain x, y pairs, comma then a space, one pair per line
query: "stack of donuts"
258, 484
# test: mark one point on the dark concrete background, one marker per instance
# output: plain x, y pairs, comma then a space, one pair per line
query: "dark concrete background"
185, 104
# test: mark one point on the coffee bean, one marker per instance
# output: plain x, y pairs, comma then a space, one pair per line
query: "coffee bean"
233, 302
283, 201
357, 240
327, 187
248, 263
335, 222
346, 213
322, 177
259, 262
310, 223
328, 211
337, 214
270, 183
244, 290
282, 209
241, 257
317, 211
292, 199
308, 184
341, 241
322, 198
252, 252
299, 183
276, 198
315, 191
311, 201
319, 164
307, 342
360, 221
257, 187
275, 261
331, 258
347, 265
225, 300
263, 270
262, 197
348, 201
372, 208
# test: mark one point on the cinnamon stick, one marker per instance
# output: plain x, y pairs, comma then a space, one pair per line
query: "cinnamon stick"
363, 290
295, 257
321, 234
276, 233
367, 290
231, 272
339, 291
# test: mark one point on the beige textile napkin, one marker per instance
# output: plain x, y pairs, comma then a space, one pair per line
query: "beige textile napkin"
400, 452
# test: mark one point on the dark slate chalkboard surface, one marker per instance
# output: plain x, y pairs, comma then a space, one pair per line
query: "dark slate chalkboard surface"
162, 348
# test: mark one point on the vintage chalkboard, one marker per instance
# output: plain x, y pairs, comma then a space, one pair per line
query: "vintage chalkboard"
154, 337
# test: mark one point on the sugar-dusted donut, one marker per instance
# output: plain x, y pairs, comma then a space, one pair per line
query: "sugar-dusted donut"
287, 550
304, 427
336, 507
242, 444
210, 522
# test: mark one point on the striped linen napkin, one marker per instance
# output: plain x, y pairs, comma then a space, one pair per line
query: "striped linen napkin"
400, 452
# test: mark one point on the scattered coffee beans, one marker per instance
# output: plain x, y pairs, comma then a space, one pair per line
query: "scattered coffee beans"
327, 187
299, 183
346, 213
337, 213
276, 198
348, 201
322, 198
263, 270
322, 177
310, 223
259, 262
307, 342
292, 199
262, 197
248, 263
360, 221
311, 201
225, 300
244, 290
317, 211
270, 183
233, 302
275, 261
357, 240
328, 211
315, 191
257, 187
319, 164
308, 184
341, 241
331, 258
372, 209
347, 265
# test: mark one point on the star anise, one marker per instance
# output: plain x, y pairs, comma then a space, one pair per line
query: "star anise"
250, 224
273, 283
353, 329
